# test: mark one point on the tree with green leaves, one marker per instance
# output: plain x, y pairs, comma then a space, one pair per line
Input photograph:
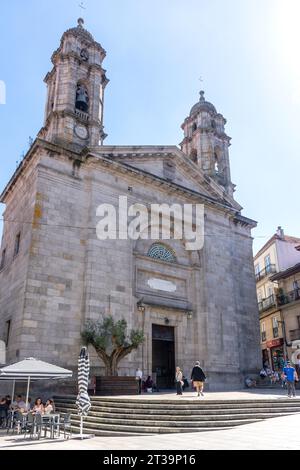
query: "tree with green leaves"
111, 341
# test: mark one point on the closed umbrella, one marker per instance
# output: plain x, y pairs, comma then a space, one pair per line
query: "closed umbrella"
83, 401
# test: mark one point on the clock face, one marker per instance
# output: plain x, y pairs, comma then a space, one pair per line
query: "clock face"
81, 132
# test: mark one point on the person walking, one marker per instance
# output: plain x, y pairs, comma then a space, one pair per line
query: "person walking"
198, 377
291, 376
179, 381
138, 377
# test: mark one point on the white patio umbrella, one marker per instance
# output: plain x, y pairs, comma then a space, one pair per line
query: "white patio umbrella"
30, 370
83, 401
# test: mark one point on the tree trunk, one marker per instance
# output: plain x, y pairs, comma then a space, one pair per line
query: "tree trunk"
107, 361
111, 362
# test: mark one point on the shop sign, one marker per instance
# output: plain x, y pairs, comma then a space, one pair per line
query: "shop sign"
274, 343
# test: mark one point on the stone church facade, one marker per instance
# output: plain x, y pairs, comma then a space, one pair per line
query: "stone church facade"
55, 273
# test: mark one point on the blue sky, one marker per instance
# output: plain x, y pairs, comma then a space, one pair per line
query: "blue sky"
246, 51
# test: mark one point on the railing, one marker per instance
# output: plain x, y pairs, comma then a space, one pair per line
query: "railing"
82, 115
294, 334
287, 298
267, 303
270, 269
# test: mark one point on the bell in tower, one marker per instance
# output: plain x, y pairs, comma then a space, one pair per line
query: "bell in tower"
206, 143
76, 84
82, 99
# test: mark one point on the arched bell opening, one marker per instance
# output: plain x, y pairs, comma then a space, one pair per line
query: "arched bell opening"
82, 98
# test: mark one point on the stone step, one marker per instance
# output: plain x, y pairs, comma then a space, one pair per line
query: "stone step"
190, 418
111, 433
176, 401
113, 416
151, 398
165, 422
132, 411
157, 429
200, 405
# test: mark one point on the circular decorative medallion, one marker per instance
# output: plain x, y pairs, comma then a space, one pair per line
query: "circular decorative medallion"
81, 132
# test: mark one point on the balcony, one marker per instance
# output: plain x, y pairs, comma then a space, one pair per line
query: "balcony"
270, 269
289, 297
82, 115
294, 334
267, 303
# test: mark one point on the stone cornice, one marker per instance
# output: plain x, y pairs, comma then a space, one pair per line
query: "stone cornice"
151, 261
149, 177
87, 154
38, 143
181, 159
71, 113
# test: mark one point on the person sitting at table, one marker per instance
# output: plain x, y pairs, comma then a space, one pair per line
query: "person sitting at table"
38, 407
49, 407
8, 400
3, 411
26, 408
18, 403
148, 382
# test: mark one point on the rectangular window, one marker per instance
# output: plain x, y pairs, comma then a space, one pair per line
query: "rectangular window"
257, 271
3, 256
269, 291
17, 244
263, 332
268, 263
8, 324
275, 328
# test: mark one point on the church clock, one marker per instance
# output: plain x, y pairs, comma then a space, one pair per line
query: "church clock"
81, 132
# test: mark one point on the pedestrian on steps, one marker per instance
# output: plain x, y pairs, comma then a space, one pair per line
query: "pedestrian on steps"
291, 376
198, 378
179, 381
138, 378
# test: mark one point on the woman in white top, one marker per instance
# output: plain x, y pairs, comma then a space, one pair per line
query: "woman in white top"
179, 381
49, 407
38, 407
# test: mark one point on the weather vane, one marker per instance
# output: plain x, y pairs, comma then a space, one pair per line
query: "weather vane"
81, 5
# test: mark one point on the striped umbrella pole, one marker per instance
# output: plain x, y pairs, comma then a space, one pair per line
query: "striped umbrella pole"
83, 401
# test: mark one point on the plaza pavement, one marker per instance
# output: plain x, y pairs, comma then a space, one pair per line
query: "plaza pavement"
272, 434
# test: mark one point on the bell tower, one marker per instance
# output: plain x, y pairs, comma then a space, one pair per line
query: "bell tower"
206, 143
76, 84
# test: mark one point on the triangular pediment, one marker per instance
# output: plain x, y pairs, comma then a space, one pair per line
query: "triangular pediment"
170, 164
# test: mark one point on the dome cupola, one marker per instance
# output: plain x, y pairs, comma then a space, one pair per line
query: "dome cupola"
203, 105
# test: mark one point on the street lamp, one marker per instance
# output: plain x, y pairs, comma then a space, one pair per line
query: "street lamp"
141, 307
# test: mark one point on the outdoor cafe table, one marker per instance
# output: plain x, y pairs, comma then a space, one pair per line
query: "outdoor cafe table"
53, 420
11, 417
